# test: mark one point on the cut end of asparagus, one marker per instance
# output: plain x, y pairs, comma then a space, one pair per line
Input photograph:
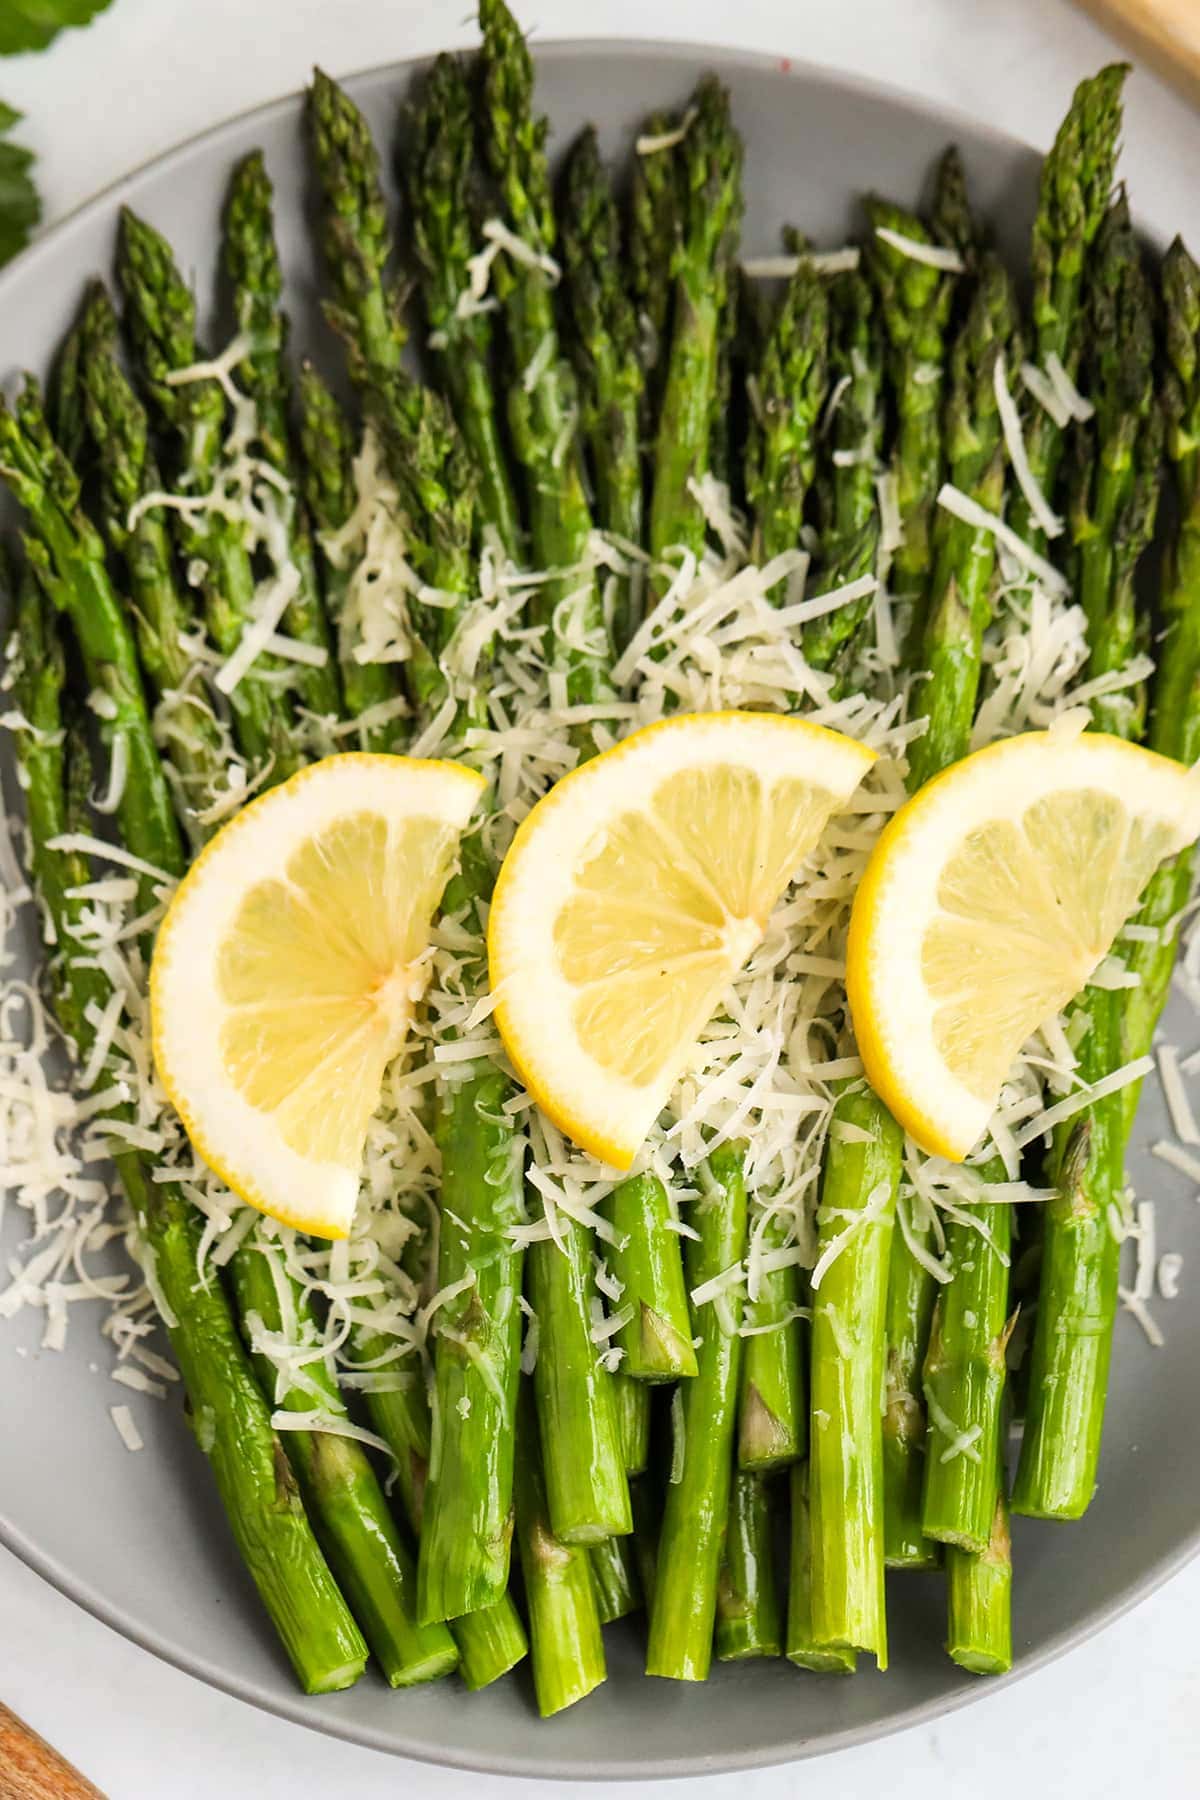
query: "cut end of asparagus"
764, 1441
824, 1662
665, 1354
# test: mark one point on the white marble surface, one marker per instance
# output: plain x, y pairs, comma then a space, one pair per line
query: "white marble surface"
1121, 1714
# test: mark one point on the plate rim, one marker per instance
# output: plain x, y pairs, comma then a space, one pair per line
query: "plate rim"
300, 1709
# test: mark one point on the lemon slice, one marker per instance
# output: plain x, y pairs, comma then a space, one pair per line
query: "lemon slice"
987, 904
634, 892
287, 968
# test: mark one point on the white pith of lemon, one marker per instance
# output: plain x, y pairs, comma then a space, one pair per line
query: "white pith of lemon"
287, 968
635, 891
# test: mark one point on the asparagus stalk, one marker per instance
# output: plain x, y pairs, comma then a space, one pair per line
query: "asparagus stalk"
800, 1643
327, 480
850, 526
441, 202
1077, 178
684, 1604
542, 401
964, 1379
915, 301
192, 415
748, 1620
564, 1621
615, 1578
604, 343
231, 1419
633, 1422
958, 613
365, 309
772, 1405
792, 379
117, 426
251, 261
979, 1595
846, 1499
1174, 728
586, 1486
1116, 501
492, 1640
960, 594
655, 218
710, 207
371, 1561
72, 567
789, 387
645, 1259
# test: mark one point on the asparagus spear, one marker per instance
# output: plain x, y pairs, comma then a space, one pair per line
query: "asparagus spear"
251, 262
369, 1557
645, 1259
850, 526
1076, 183
958, 613
605, 347
117, 426
800, 1643
655, 213
915, 301
979, 1595
710, 208
584, 1467
1115, 507
1174, 728
439, 169
772, 1406
467, 1526
564, 1622
542, 402
633, 1422
792, 379
615, 1578
423, 447
964, 1377
687, 1574
71, 566
365, 309
748, 1622
230, 1417
845, 1487
162, 322
789, 386
327, 479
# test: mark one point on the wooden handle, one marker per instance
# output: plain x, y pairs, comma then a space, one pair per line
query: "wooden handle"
1166, 32
31, 1770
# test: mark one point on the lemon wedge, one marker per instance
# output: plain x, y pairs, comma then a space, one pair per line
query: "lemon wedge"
287, 968
632, 895
987, 904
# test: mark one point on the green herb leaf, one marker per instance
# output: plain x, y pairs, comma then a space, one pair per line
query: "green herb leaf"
20, 208
32, 24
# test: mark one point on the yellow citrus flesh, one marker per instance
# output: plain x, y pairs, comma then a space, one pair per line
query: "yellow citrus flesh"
634, 892
986, 906
287, 969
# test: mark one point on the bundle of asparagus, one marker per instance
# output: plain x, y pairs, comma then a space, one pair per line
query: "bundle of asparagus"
240, 578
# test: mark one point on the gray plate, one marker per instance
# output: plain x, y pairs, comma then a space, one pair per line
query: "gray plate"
139, 1540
